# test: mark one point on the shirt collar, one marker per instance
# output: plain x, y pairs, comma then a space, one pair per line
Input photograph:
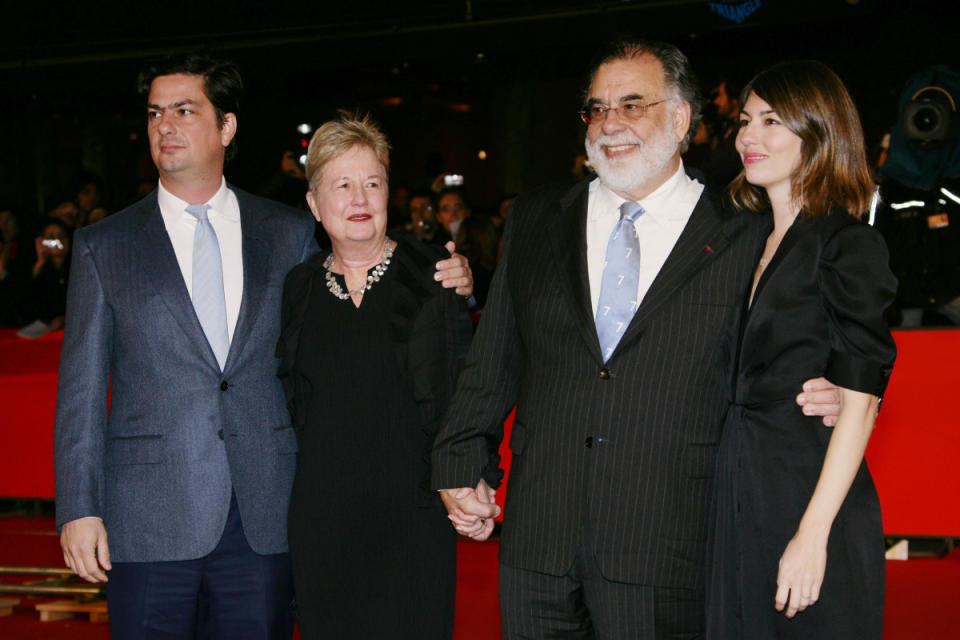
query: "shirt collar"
173, 207
661, 203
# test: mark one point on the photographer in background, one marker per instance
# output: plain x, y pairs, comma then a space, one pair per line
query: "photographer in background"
919, 212
46, 301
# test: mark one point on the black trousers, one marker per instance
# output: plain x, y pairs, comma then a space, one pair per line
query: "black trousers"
585, 605
232, 593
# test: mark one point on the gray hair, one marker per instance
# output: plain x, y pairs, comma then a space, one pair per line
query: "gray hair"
677, 73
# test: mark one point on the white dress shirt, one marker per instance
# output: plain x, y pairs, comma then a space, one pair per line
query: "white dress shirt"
224, 214
665, 214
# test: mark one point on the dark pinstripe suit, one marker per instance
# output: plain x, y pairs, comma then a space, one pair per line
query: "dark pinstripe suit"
625, 449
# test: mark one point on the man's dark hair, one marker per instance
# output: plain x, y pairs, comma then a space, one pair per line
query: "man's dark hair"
732, 83
677, 72
222, 83
456, 191
424, 192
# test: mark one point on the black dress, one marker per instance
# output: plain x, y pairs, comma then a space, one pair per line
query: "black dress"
373, 553
818, 310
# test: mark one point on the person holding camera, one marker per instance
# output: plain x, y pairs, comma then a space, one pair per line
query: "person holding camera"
46, 299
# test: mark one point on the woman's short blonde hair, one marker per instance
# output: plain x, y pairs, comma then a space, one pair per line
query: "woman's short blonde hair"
336, 137
813, 103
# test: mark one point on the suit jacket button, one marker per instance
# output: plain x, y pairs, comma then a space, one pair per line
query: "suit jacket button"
604, 374
588, 442
220, 434
224, 385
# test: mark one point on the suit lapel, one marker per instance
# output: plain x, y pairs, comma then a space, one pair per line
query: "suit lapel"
256, 258
166, 277
568, 234
705, 236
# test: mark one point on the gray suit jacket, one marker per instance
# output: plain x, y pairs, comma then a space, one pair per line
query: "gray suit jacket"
159, 466
623, 452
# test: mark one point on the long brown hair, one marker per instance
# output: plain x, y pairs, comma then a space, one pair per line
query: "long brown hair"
814, 104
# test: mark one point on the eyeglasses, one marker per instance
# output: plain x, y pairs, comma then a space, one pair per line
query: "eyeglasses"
628, 110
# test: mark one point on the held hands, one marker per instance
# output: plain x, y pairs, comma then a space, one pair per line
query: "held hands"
455, 272
85, 550
820, 397
802, 566
471, 510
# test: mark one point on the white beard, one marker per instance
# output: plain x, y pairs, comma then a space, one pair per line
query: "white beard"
624, 175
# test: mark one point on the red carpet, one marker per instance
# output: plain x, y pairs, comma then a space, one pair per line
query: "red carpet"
922, 593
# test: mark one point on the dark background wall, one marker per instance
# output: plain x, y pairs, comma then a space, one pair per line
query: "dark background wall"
445, 79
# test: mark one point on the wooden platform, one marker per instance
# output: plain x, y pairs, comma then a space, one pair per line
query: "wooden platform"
96, 609
7, 605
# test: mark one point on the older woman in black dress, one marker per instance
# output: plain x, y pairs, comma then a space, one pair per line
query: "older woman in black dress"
371, 350
798, 550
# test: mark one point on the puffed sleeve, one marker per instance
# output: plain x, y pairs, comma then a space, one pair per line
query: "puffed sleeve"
856, 287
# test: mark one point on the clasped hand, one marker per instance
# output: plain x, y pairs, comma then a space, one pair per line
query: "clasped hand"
471, 510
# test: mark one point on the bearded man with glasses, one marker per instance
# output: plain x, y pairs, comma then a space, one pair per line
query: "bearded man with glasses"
610, 325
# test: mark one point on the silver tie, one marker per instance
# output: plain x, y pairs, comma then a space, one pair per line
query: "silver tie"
208, 297
621, 275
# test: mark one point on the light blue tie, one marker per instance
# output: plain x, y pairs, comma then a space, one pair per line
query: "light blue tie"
621, 274
208, 300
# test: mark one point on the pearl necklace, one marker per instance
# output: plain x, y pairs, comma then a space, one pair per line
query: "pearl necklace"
378, 271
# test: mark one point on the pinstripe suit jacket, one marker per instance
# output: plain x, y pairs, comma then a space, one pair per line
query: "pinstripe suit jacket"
180, 434
624, 450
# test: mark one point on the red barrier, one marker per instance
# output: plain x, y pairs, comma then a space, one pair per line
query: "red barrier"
913, 454
28, 393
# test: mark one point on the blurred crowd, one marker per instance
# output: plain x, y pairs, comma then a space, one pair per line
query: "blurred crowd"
918, 209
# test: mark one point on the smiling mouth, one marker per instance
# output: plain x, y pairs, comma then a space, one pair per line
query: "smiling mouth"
359, 217
751, 158
615, 150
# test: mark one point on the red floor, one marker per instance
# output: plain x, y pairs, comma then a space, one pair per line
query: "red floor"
922, 593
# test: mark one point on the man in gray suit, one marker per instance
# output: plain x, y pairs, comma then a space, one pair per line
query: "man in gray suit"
619, 368
174, 310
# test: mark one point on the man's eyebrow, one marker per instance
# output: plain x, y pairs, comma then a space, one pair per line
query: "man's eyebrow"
627, 98
172, 106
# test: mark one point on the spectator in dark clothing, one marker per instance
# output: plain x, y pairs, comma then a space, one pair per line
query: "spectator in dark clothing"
14, 270
477, 239
452, 208
288, 184
48, 290
423, 219
88, 188
919, 207
720, 162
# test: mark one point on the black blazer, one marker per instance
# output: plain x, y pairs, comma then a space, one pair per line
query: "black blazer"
626, 448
